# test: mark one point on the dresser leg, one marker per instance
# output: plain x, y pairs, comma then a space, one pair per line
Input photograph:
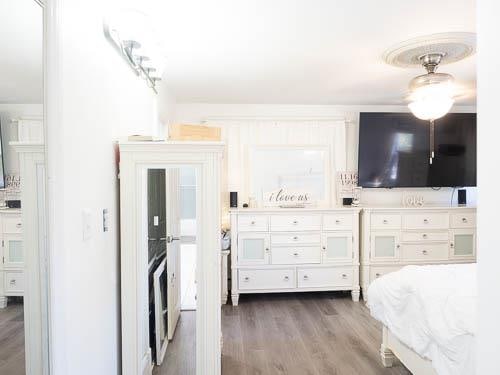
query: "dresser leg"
355, 295
3, 302
235, 298
387, 356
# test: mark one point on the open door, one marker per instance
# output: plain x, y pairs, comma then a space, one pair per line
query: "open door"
173, 250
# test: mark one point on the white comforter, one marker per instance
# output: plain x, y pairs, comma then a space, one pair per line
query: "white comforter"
431, 309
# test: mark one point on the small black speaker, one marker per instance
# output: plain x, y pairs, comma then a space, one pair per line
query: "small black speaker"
346, 201
13, 203
462, 197
233, 199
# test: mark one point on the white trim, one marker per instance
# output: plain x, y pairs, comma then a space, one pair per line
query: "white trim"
134, 159
276, 118
32, 171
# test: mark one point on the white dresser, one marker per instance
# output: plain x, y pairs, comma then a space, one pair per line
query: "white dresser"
395, 237
294, 250
11, 255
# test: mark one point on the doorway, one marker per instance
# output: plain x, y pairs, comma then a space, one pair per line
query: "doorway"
171, 223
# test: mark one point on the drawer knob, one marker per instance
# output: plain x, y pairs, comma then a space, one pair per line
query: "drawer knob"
295, 238
398, 246
385, 221
377, 275
424, 252
426, 221
246, 279
295, 222
451, 244
286, 278
324, 247
252, 222
464, 220
306, 277
12, 282
344, 276
296, 254
19, 225
267, 249
424, 235
337, 221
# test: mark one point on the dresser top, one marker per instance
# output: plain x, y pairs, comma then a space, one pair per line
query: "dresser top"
11, 211
292, 210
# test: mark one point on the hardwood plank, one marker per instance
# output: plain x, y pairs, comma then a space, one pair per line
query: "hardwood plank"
12, 339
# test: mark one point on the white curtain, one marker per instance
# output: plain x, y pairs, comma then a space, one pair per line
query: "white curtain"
241, 134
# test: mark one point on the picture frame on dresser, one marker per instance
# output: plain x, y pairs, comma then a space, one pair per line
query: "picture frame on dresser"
294, 250
392, 238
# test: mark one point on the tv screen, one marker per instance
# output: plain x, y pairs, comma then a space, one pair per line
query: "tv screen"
394, 151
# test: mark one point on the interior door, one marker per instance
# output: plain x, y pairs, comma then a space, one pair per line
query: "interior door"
173, 250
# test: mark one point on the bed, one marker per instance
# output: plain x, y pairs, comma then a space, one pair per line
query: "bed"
429, 318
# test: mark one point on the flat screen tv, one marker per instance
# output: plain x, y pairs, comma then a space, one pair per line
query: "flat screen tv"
394, 151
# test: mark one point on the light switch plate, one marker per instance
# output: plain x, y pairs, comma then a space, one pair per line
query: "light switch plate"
156, 221
105, 220
86, 224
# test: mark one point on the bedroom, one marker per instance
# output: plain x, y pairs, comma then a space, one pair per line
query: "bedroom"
333, 144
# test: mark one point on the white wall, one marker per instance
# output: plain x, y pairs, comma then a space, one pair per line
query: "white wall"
9, 130
98, 100
488, 350
195, 113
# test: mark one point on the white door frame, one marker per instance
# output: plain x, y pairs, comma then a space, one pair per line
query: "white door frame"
135, 158
36, 311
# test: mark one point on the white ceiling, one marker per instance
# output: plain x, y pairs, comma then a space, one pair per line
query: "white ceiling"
21, 31
300, 51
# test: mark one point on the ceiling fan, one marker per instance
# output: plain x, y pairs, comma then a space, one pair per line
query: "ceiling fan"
432, 95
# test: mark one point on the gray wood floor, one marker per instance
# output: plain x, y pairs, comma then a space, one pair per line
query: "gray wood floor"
296, 334
12, 339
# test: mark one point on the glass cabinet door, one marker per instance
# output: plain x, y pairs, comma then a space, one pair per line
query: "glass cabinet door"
337, 247
384, 245
253, 248
13, 251
463, 243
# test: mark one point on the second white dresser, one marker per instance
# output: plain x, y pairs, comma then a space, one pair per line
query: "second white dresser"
294, 250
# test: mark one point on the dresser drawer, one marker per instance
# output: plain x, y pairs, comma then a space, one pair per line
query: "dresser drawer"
324, 277
296, 255
463, 220
295, 238
14, 282
295, 222
425, 236
337, 222
266, 279
431, 220
253, 223
12, 224
376, 272
425, 252
386, 221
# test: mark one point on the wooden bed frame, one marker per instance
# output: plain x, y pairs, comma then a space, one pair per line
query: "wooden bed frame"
392, 349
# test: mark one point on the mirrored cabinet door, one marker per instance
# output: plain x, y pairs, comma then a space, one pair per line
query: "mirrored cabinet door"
384, 245
13, 251
253, 248
463, 243
337, 247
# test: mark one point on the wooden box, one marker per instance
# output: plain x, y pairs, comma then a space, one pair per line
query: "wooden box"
181, 132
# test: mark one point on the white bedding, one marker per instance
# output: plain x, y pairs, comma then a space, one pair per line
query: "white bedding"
432, 310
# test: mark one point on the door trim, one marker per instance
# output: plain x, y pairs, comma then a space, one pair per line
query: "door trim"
135, 158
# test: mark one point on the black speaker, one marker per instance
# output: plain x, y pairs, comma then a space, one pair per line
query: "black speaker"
13, 203
346, 201
233, 199
462, 197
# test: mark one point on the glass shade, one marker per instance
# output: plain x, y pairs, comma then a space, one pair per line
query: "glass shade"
431, 96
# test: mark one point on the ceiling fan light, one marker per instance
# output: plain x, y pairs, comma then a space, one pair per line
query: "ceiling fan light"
431, 108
